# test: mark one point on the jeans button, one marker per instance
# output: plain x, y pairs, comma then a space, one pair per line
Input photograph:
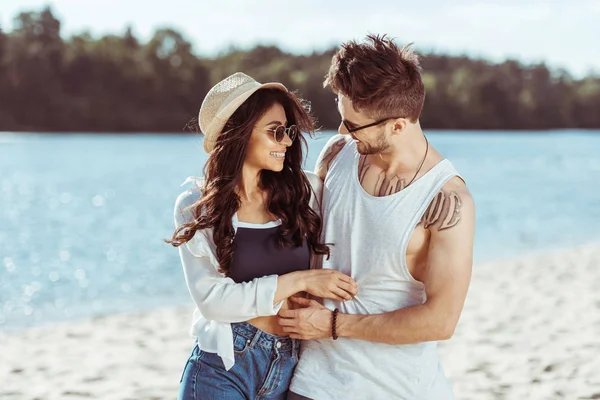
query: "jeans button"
278, 345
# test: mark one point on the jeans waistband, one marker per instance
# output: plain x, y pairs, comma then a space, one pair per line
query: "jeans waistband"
267, 340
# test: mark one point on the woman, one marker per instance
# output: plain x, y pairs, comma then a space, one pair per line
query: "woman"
248, 240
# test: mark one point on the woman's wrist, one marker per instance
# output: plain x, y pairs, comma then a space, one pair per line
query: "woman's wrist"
297, 281
301, 280
288, 285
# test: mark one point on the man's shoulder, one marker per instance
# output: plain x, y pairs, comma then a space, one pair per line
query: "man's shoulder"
459, 187
337, 142
452, 205
330, 151
456, 183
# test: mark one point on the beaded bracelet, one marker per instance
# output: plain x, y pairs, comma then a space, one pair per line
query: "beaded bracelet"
333, 324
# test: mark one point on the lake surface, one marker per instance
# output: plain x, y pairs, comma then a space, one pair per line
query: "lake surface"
82, 217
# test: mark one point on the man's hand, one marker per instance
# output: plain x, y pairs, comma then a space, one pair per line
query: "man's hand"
312, 321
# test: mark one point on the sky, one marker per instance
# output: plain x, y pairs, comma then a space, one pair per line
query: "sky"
562, 33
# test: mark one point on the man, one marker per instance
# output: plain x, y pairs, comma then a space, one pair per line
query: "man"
401, 222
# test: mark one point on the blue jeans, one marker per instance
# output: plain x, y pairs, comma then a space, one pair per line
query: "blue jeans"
263, 369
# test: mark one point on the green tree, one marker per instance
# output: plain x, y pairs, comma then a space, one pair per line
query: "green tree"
116, 83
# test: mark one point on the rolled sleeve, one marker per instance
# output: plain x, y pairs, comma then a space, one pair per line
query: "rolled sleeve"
265, 296
216, 296
219, 298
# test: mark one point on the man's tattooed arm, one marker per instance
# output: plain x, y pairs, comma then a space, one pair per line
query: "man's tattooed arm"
328, 154
443, 212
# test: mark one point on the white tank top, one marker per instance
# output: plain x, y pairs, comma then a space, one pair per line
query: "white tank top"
370, 236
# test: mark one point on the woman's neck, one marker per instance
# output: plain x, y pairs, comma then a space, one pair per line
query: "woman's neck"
253, 207
249, 189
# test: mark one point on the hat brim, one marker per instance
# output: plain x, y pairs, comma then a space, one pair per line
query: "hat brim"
223, 115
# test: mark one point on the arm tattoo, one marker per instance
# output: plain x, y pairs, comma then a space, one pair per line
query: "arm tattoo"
444, 211
326, 157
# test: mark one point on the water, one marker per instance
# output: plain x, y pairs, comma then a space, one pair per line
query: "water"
82, 217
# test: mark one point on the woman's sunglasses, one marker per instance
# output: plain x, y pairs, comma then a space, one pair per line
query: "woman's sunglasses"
280, 131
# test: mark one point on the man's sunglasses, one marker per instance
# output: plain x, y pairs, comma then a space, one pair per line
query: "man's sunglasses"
352, 130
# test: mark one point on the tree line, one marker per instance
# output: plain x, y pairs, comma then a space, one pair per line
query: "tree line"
116, 83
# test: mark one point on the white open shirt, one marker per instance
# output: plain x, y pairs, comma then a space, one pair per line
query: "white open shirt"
219, 300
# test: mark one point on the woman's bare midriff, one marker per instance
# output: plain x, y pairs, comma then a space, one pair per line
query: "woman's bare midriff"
270, 324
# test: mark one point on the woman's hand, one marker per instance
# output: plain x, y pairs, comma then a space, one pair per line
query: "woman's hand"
329, 284
323, 283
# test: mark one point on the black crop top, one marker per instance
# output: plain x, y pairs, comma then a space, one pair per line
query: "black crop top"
257, 254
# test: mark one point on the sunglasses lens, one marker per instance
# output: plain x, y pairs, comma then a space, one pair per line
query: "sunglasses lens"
293, 132
279, 133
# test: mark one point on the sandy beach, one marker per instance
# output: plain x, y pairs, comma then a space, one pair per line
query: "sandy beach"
530, 330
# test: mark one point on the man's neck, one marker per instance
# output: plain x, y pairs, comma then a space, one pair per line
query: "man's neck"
404, 155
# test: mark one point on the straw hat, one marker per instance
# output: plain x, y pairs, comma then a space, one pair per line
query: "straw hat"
222, 101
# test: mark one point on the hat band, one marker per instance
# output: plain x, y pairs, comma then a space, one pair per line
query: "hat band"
236, 93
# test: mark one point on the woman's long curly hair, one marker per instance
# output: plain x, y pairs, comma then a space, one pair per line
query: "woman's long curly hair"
288, 191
